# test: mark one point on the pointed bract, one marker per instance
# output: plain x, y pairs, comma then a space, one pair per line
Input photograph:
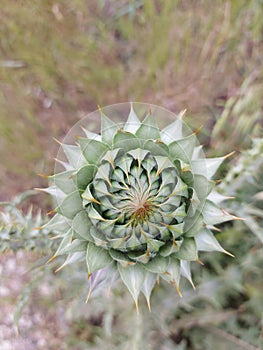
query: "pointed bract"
81, 225
148, 130
173, 131
72, 258
71, 205
91, 135
188, 250
148, 285
84, 176
133, 123
126, 141
108, 129
73, 155
207, 166
214, 215
64, 181
96, 258
186, 271
92, 150
133, 277
206, 241
183, 149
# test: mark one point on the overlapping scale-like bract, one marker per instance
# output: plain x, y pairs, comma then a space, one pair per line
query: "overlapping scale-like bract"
136, 202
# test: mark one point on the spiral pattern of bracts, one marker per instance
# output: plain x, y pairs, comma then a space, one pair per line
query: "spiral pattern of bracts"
136, 202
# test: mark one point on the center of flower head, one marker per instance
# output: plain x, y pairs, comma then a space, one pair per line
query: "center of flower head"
142, 211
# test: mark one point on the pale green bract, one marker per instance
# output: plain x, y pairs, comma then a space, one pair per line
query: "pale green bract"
136, 202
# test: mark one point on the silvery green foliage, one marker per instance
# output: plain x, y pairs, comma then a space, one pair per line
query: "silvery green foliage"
136, 202
244, 182
19, 230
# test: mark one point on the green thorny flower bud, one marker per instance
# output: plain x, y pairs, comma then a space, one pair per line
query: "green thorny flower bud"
136, 202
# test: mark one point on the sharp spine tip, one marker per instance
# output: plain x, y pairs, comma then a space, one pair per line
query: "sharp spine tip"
51, 259
56, 140
88, 296
149, 304
178, 291
192, 284
137, 306
227, 253
53, 211
229, 154
200, 262
183, 113
197, 131
100, 109
238, 218
57, 270
44, 176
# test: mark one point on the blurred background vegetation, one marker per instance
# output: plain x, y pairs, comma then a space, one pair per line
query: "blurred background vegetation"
58, 60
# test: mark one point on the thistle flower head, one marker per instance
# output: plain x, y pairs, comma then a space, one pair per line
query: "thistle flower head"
136, 202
